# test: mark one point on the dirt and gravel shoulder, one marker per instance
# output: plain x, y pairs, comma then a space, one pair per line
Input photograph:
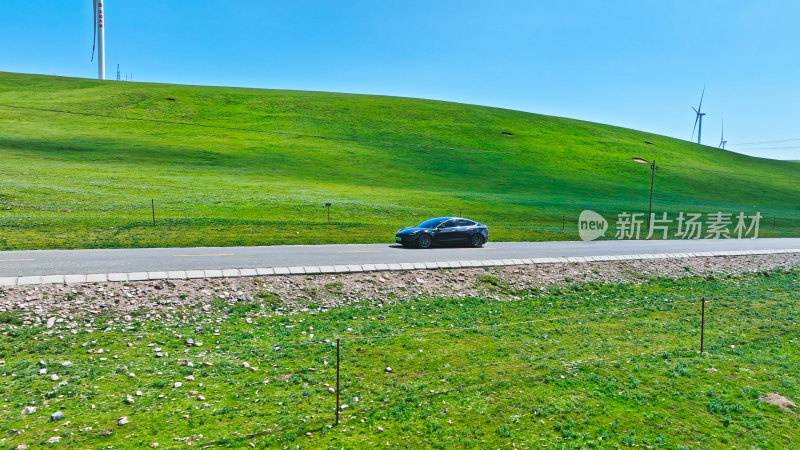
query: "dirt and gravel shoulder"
47, 304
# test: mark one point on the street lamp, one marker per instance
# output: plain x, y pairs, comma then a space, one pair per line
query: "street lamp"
653, 168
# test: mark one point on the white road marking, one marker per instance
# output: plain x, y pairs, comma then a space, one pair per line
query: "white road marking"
360, 251
15, 260
201, 255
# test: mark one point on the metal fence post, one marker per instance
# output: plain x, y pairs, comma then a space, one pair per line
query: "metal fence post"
338, 346
702, 323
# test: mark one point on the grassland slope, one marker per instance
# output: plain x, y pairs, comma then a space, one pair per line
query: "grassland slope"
81, 161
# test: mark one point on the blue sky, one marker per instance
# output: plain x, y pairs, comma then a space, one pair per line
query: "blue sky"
638, 64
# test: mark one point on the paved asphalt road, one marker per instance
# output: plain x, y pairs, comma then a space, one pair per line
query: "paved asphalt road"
60, 262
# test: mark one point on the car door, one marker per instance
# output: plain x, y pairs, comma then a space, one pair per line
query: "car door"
464, 230
446, 233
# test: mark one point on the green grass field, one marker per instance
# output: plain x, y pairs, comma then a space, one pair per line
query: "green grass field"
81, 160
607, 366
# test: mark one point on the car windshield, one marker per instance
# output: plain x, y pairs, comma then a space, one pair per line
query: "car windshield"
431, 223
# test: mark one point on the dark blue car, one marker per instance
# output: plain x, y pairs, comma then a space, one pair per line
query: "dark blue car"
444, 231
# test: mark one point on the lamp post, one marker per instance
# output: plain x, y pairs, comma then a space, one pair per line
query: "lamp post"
653, 168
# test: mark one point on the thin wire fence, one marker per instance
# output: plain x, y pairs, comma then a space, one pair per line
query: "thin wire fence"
498, 325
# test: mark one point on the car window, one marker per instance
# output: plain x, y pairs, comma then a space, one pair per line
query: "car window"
465, 223
431, 223
449, 224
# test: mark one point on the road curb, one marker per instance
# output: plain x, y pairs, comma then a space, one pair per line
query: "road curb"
350, 268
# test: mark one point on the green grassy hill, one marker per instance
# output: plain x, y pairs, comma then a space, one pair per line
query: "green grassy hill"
82, 159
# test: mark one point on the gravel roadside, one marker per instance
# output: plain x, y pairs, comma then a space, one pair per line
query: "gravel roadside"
49, 304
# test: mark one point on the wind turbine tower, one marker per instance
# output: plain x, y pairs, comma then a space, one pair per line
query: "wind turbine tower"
699, 118
722, 140
99, 38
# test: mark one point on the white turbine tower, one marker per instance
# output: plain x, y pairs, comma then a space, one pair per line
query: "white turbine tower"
722, 140
99, 39
699, 117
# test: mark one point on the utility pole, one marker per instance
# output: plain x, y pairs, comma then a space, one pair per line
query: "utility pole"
652, 183
653, 168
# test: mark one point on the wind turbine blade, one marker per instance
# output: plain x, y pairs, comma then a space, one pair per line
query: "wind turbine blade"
699, 108
695, 110
695, 125
94, 26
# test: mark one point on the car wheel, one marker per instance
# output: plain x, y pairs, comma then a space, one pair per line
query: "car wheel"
476, 241
424, 241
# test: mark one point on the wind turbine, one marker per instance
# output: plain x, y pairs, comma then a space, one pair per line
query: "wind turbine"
722, 140
99, 38
699, 118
